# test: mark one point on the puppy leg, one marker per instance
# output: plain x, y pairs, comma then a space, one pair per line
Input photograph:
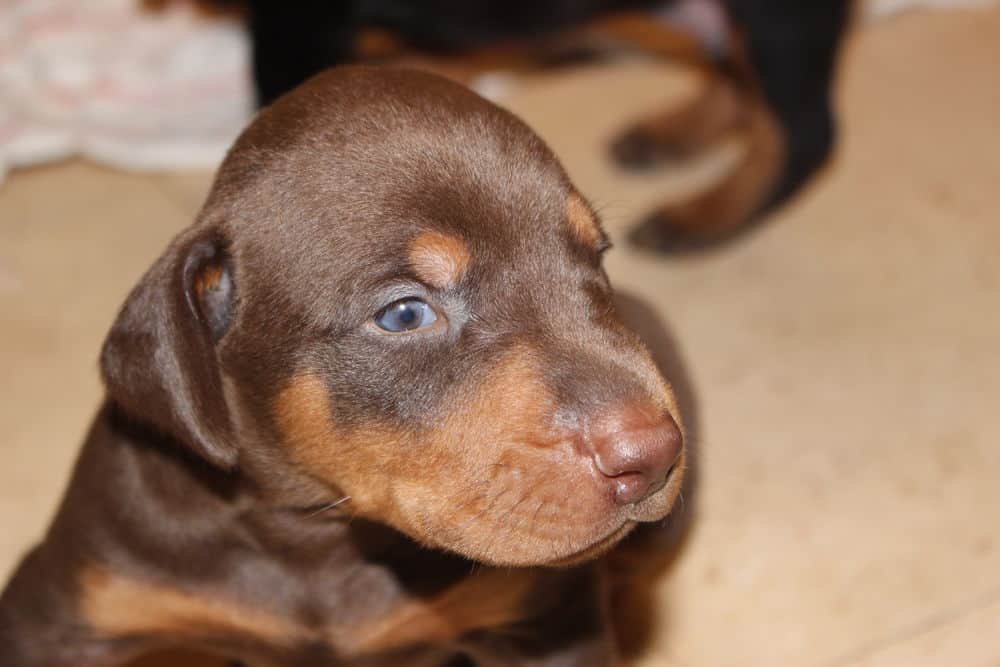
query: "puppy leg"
608, 35
291, 43
729, 102
785, 63
791, 50
723, 209
718, 110
673, 133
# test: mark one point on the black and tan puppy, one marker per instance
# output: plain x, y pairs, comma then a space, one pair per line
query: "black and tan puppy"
767, 68
374, 407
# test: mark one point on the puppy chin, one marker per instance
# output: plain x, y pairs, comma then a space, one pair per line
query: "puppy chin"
524, 551
565, 555
595, 550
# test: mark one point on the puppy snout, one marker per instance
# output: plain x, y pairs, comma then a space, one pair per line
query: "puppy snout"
635, 449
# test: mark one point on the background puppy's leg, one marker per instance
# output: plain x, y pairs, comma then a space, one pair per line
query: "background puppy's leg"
293, 42
790, 50
728, 102
718, 110
780, 74
724, 208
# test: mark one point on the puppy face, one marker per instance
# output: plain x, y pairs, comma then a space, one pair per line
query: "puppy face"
418, 320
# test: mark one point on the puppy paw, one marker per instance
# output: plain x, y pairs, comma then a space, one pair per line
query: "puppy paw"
657, 233
681, 229
638, 149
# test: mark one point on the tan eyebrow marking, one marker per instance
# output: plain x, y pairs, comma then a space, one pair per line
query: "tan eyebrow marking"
581, 221
439, 259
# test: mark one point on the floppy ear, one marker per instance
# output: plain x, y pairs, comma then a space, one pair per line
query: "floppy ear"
160, 362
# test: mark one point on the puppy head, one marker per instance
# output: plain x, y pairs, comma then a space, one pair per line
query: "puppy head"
395, 294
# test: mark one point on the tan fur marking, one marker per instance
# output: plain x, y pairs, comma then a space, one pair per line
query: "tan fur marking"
378, 44
117, 606
208, 278
120, 607
745, 189
486, 599
439, 259
367, 464
493, 440
484, 481
718, 109
631, 32
302, 412
641, 32
581, 221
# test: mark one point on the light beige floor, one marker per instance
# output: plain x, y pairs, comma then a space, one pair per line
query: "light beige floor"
847, 357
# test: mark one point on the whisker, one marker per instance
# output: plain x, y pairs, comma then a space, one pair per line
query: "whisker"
470, 501
510, 512
327, 508
534, 517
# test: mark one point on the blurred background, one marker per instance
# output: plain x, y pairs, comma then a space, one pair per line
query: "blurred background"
845, 356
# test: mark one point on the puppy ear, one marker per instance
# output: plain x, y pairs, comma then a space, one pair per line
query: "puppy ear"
160, 361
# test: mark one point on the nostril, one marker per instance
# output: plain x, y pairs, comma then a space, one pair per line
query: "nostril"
630, 487
637, 458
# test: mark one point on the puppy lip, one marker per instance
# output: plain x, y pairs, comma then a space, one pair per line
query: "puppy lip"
660, 485
659, 504
596, 548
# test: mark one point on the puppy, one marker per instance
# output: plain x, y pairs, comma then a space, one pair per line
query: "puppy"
374, 407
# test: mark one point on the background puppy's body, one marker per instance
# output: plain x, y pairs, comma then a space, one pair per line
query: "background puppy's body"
772, 85
274, 457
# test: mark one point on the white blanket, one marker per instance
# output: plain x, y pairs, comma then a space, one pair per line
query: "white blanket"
123, 86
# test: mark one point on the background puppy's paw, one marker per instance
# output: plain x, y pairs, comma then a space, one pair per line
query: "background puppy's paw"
637, 150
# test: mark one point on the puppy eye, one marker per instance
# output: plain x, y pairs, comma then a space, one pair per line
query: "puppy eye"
406, 315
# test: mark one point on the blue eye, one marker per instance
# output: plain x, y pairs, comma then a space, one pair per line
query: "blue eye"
406, 315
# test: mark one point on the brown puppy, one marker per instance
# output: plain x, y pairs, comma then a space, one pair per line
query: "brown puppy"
387, 330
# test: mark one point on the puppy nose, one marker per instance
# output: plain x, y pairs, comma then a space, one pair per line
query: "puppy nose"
635, 448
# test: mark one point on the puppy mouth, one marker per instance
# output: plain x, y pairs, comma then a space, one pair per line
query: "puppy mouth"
654, 507
608, 526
